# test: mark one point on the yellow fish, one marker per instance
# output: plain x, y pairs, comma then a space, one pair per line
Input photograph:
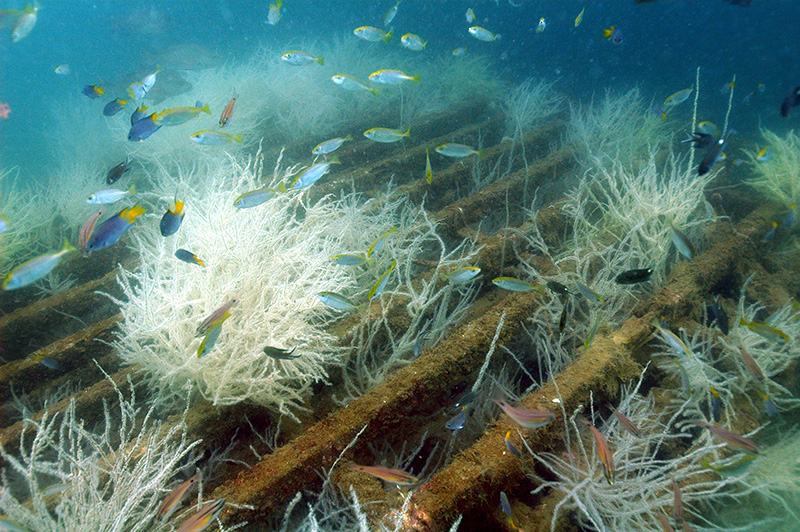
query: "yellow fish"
579, 18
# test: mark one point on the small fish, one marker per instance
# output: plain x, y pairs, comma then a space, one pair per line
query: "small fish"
751, 364
733, 440
46, 361
111, 230
529, 419
413, 42
588, 293
514, 285
227, 112
505, 506
418, 344
730, 469
634, 276
391, 13
765, 331
254, 198
372, 34
180, 115
386, 135
214, 317
214, 138
510, 446
379, 242
32, 270
114, 106
558, 288
451, 149
281, 354
711, 214
711, 158
300, 58
681, 242
459, 51
592, 332
769, 405
118, 171
188, 257
719, 315
93, 91
380, 284
482, 34
63, 70
350, 259
337, 301
457, 422
87, 229
5, 110
716, 404
25, 22
579, 18
110, 195
171, 220
139, 89
387, 76
791, 217
626, 422
466, 399
679, 97
469, 15
393, 476
792, 100
672, 340
606, 457
769, 235
350, 83
463, 275
171, 501
541, 26
211, 337
330, 146
562, 320
200, 521
428, 170
764, 155
139, 113
613, 34
312, 174
144, 128
274, 14
706, 127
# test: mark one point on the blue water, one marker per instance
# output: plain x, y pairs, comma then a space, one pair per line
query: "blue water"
663, 43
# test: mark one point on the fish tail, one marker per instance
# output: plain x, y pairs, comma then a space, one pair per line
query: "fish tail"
335, 160
178, 207
349, 136
205, 109
320, 60
279, 4
742, 321
407, 133
238, 138
415, 78
374, 91
68, 246
132, 189
388, 37
132, 213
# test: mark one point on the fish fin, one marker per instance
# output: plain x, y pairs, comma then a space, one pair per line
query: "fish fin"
742, 321
205, 109
374, 91
349, 137
279, 4
408, 132
68, 246
178, 207
132, 189
282, 188
388, 37
480, 155
415, 78
201, 263
334, 160
238, 138
320, 60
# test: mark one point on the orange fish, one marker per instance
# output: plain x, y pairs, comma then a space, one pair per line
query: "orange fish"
606, 457
395, 476
4, 110
227, 112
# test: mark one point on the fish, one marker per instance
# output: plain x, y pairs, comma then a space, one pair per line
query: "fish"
765, 330
770, 407
227, 112
712, 157
457, 422
418, 344
171, 501
711, 214
274, 14
463, 275
558, 288
110, 195
482, 34
679, 97
428, 170
118, 171
300, 58
380, 284
729, 469
214, 138
63, 70
379, 242
606, 457
350, 83
681, 242
562, 320
312, 174
330, 146
180, 115
640, 275
386, 135
188, 257
613, 34
34, 269
588, 293
716, 404
469, 15
114, 106
143, 128
373, 34
505, 506
46, 361
459, 51
215, 316
764, 155
413, 42
139, 89
672, 340
706, 127
281, 354
93, 91
510, 446
751, 364
350, 259
719, 315
211, 337
139, 113
733, 440
336, 301
7, 525
579, 18
541, 26
626, 422
791, 217
5, 110
200, 521
391, 13
513, 284
172, 219
792, 100
254, 198
387, 76
769, 235
111, 230
25, 22
529, 419
393, 476
592, 332
86, 230
699, 140
451, 149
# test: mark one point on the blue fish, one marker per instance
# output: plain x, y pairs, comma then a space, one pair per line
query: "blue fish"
144, 128
93, 91
114, 106
457, 422
188, 257
109, 232
138, 114
171, 221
